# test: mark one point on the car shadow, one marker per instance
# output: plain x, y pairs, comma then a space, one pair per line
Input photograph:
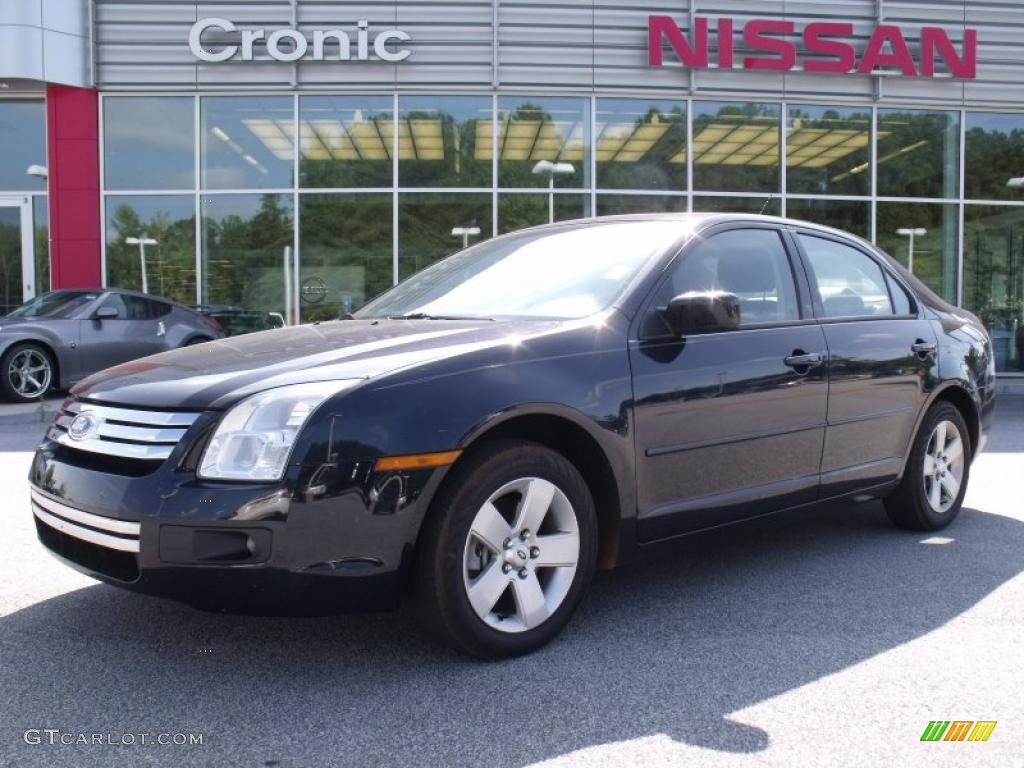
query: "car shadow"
665, 647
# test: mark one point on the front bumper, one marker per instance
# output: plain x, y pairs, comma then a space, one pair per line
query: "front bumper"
231, 547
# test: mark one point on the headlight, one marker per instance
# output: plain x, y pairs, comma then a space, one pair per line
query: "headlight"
255, 438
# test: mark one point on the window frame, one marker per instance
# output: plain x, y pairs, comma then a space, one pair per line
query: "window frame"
888, 274
644, 323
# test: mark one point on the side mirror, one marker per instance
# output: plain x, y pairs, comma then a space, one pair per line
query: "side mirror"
702, 311
106, 313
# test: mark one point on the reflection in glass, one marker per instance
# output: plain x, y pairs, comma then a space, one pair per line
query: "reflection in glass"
247, 252
149, 142
41, 225
641, 144
769, 206
918, 153
171, 262
248, 142
567, 273
23, 143
345, 252
612, 205
994, 278
994, 149
345, 141
445, 141
551, 129
933, 258
828, 150
849, 215
735, 146
516, 211
426, 222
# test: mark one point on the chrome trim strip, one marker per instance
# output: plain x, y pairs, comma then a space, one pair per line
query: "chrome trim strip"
124, 450
150, 418
86, 518
141, 434
85, 534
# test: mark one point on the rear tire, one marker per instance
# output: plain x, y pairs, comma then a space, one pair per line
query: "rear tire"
27, 373
508, 551
934, 482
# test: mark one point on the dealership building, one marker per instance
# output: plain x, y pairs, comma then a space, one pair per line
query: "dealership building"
297, 157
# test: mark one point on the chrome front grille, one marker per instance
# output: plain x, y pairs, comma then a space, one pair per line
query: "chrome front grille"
122, 535
123, 432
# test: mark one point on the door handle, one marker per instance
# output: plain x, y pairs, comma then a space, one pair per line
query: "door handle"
922, 348
801, 359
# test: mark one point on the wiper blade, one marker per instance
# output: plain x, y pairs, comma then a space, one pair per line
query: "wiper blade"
428, 316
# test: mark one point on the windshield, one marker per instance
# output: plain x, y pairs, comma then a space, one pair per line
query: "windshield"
568, 273
54, 305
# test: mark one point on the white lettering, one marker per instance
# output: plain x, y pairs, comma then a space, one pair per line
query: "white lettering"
195, 40
362, 52
342, 38
249, 37
299, 45
380, 45
386, 44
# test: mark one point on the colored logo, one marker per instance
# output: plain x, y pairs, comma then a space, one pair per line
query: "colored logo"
958, 730
83, 426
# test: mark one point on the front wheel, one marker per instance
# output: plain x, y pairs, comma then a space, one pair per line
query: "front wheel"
508, 552
28, 373
935, 480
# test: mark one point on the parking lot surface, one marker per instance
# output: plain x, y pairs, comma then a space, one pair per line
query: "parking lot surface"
828, 639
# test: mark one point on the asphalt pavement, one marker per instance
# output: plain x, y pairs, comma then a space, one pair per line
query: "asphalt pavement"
828, 639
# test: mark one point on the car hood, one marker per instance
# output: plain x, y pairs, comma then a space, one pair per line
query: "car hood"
218, 373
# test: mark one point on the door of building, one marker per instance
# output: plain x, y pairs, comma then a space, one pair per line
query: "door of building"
17, 267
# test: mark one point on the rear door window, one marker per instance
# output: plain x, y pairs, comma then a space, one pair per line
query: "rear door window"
849, 281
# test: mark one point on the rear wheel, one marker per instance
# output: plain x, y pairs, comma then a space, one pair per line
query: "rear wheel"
935, 480
28, 373
509, 551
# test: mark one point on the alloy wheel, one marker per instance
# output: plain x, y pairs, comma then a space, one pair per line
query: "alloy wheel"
943, 466
30, 373
521, 554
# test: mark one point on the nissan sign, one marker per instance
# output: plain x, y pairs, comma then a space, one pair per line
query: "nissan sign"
828, 43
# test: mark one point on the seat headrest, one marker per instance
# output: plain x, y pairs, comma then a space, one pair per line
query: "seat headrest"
745, 271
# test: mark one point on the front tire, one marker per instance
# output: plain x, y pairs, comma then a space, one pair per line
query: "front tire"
508, 552
28, 373
934, 482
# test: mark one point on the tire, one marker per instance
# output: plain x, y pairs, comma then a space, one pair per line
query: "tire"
459, 552
196, 340
27, 373
934, 482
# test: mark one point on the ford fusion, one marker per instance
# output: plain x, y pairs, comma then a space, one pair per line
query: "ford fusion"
485, 435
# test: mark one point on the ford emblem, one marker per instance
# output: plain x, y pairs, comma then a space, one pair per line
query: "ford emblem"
83, 426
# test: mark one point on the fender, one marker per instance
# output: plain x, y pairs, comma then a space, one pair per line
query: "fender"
935, 395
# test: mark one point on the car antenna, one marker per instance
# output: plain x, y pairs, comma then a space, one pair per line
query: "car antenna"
763, 207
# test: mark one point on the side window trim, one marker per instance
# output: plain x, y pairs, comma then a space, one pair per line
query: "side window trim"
796, 268
887, 275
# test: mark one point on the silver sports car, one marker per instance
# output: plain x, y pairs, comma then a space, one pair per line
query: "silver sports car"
61, 337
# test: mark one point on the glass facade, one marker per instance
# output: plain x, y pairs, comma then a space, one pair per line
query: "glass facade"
23, 161
307, 206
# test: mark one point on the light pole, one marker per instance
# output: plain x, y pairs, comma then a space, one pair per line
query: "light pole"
142, 242
910, 233
549, 169
465, 233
